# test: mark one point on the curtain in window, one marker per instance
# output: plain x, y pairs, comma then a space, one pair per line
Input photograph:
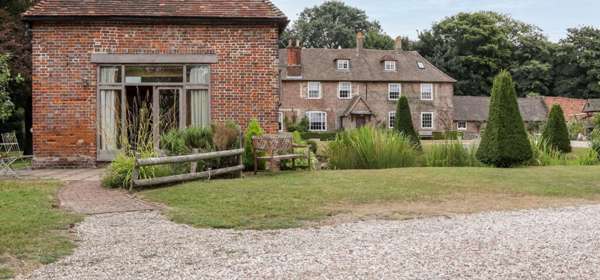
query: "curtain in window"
108, 119
108, 75
199, 104
199, 74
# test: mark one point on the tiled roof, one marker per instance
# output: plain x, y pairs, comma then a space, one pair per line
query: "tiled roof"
592, 105
156, 8
366, 65
570, 106
476, 108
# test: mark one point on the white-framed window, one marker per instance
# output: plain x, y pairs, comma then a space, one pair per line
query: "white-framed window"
426, 91
461, 125
280, 118
426, 120
394, 91
420, 65
314, 90
391, 119
343, 64
389, 65
317, 121
345, 90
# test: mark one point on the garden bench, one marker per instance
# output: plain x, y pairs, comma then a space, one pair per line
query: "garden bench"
276, 147
10, 152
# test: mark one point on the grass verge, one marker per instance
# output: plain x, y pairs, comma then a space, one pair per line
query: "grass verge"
32, 230
284, 200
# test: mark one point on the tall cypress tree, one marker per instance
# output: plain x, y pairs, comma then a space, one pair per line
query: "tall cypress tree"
505, 142
556, 133
404, 122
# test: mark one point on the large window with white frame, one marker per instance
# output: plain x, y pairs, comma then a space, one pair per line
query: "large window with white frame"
394, 91
343, 64
345, 90
317, 121
427, 120
314, 90
426, 91
389, 65
391, 119
461, 125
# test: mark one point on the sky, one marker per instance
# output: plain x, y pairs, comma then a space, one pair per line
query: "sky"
405, 17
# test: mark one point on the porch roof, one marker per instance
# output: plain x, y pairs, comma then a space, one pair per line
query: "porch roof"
359, 106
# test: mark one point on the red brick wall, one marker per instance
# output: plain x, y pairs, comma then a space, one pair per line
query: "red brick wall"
244, 82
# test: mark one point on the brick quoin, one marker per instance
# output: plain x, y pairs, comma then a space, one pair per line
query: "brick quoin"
244, 81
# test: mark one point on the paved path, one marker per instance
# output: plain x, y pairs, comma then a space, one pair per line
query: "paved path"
536, 244
87, 174
88, 197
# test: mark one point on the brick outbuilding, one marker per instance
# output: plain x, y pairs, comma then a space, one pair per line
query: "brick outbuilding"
98, 63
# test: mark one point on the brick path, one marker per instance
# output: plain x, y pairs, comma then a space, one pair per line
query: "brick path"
89, 197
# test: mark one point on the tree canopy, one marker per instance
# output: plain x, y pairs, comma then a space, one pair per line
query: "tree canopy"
473, 47
334, 25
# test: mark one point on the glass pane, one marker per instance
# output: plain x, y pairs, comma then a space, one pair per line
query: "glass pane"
110, 116
198, 108
198, 74
110, 74
169, 109
153, 74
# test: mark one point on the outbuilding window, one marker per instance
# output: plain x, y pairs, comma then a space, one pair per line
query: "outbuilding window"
461, 125
391, 119
317, 121
427, 120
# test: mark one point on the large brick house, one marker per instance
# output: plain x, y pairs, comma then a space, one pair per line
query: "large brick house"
347, 88
98, 63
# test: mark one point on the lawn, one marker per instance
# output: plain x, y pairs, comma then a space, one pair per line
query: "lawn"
33, 231
293, 199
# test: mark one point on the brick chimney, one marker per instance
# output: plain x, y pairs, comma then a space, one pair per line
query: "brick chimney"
360, 40
398, 44
294, 53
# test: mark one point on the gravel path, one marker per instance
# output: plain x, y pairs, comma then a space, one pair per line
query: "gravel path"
536, 244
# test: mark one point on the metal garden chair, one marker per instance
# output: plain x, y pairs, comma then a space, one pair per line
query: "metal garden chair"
10, 152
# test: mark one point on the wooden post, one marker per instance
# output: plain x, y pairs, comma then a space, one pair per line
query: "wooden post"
241, 156
194, 164
136, 172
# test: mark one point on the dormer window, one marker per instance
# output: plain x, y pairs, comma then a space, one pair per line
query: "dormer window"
389, 65
343, 64
420, 65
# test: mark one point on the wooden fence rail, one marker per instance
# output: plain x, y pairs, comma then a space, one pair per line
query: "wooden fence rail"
193, 175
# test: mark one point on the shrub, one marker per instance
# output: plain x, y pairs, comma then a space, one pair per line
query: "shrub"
173, 142
292, 126
451, 154
200, 138
253, 129
591, 157
226, 136
505, 141
119, 173
556, 133
544, 154
323, 136
404, 123
371, 148
595, 139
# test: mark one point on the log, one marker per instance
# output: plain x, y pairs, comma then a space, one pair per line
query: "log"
188, 158
186, 177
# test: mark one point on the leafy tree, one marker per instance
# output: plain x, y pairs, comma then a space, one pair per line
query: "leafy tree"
334, 25
6, 105
556, 133
504, 141
378, 40
473, 47
253, 129
404, 122
577, 67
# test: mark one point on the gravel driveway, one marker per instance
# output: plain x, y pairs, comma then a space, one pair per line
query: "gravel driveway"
536, 244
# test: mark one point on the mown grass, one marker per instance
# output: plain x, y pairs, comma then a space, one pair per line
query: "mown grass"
284, 200
32, 231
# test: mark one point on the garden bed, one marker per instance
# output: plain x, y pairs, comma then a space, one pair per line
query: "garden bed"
294, 199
